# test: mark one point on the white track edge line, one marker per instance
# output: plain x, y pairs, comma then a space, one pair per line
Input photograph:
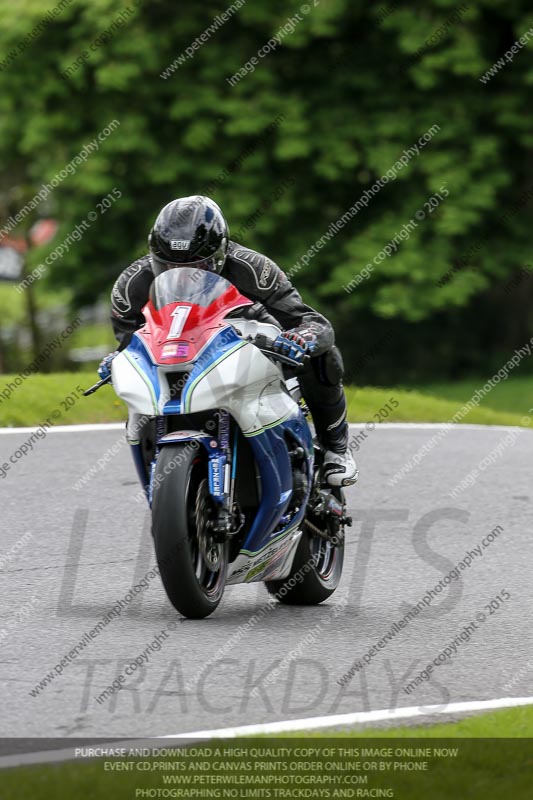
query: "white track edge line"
121, 426
315, 723
100, 426
285, 726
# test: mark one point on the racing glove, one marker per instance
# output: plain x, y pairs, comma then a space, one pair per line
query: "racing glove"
293, 346
307, 335
104, 369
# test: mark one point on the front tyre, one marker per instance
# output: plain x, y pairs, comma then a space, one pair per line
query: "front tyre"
193, 566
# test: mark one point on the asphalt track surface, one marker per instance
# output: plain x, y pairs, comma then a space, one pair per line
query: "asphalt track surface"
82, 550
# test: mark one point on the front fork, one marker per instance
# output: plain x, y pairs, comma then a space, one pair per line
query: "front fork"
143, 469
140, 466
222, 474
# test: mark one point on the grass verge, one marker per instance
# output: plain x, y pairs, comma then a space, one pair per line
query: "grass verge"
38, 396
42, 396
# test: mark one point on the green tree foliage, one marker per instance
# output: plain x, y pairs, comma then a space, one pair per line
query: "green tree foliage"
290, 148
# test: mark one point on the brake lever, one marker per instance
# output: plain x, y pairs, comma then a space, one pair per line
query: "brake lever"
289, 362
97, 386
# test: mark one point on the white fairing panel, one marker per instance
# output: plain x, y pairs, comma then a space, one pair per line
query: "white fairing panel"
248, 385
273, 562
132, 387
250, 328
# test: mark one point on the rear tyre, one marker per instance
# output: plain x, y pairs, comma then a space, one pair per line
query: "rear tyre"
315, 574
192, 565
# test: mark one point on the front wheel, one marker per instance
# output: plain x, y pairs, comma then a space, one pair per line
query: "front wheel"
193, 566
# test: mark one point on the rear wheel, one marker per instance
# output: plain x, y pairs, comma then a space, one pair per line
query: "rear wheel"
316, 569
193, 566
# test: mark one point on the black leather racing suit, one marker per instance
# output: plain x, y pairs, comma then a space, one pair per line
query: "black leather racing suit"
262, 281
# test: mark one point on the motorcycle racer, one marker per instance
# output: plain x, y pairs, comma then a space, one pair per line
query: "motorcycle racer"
193, 232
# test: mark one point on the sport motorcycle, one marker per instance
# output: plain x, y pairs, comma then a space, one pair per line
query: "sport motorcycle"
227, 456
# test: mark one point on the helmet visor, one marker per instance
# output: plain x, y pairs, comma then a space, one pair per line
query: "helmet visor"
211, 264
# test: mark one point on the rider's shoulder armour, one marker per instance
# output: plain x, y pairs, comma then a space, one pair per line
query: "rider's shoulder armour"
251, 272
130, 292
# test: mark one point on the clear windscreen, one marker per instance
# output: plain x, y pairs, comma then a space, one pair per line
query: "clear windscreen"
188, 285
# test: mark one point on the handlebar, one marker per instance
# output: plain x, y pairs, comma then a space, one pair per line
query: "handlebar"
259, 340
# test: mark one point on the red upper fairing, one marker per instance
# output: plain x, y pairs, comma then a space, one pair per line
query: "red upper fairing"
193, 326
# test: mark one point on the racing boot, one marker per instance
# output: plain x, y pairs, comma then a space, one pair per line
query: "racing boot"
339, 467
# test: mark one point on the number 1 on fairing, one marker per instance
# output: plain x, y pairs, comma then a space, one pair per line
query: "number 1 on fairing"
180, 315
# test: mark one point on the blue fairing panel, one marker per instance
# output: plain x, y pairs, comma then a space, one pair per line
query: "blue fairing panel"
139, 353
217, 348
272, 456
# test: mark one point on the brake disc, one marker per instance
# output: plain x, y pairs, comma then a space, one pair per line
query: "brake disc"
210, 549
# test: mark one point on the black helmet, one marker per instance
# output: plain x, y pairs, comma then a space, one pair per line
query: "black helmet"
190, 231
